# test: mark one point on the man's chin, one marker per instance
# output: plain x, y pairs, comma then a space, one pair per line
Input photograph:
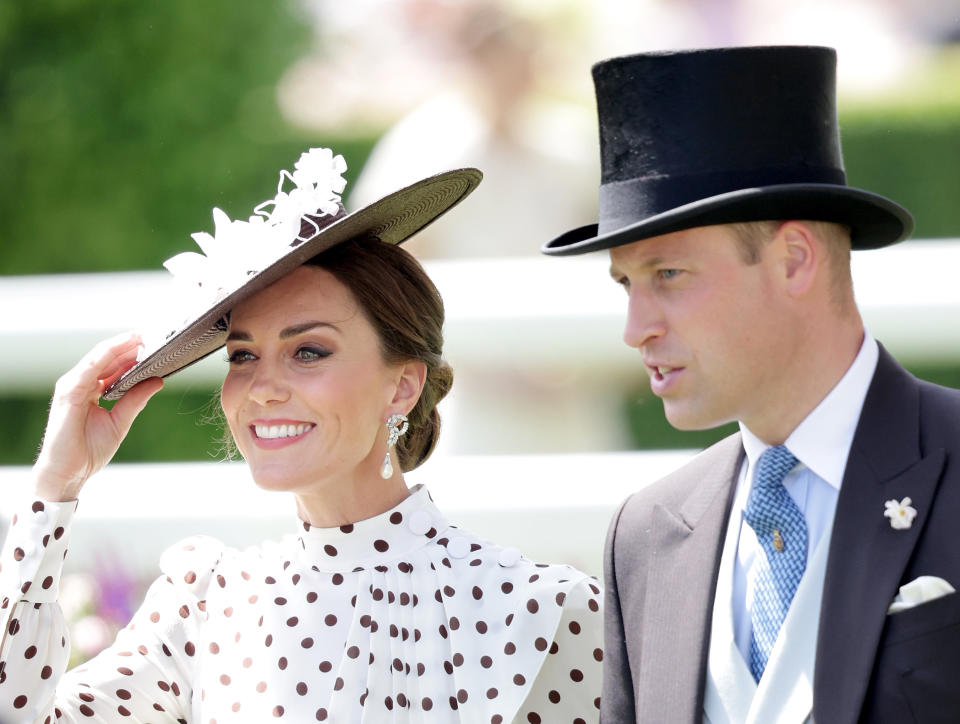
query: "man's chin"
683, 418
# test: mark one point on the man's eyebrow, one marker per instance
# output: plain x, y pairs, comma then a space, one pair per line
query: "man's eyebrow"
616, 274
285, 333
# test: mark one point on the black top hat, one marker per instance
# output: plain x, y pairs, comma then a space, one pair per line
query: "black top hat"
725, 135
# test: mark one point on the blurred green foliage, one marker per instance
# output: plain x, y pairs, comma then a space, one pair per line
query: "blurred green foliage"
914, 162
176, 425
122, 123
905, 143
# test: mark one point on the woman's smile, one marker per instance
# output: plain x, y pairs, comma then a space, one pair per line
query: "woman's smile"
275, 433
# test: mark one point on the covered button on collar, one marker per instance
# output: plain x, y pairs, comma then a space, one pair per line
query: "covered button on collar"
509, 557
458, 546
420, 522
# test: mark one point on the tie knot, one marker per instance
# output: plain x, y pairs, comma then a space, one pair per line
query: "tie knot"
773, 466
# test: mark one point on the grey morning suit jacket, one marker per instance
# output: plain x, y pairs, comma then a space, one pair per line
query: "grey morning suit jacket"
663, 552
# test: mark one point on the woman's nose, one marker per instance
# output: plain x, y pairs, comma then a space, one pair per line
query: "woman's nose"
268, 384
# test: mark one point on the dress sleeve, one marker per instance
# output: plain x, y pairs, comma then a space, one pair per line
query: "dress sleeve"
567, 688
143, 676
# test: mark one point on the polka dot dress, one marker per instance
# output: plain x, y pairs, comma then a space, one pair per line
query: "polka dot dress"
398, 618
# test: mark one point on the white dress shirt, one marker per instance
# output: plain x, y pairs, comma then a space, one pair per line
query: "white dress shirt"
821, 443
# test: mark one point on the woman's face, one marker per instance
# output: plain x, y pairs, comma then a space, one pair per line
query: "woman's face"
307, 392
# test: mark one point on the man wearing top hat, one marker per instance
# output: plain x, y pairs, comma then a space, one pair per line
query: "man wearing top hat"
804, 567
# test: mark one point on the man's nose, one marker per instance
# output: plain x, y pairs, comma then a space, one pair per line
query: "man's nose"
645, 320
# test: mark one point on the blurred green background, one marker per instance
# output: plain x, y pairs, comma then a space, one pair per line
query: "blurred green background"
122, 124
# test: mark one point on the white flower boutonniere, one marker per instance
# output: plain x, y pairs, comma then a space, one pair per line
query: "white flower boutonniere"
900, 513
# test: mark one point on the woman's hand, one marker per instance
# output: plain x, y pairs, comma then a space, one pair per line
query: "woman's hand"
81, 436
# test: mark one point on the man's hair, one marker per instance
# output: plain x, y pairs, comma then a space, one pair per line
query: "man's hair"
751, 237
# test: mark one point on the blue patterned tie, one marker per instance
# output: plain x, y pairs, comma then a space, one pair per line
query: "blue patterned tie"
782, 532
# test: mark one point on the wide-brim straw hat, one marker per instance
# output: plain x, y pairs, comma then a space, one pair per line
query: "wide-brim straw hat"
720, 136
392, 219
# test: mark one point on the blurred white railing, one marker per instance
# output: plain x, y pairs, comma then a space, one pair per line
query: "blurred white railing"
531, 313
555, 508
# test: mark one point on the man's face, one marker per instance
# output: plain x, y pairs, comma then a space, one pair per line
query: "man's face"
709, 326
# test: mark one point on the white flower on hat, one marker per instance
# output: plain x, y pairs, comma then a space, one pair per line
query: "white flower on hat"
240, 249
320, 167
318, 180
900, 513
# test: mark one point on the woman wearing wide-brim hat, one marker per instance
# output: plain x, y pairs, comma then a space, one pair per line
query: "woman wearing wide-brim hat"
375, 608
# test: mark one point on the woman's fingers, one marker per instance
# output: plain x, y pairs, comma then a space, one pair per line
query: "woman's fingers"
81, 436
102, 361
118, 367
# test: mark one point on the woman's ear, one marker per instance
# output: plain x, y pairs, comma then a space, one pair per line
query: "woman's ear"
410, 379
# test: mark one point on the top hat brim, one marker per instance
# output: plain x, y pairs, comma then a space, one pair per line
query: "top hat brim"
874, 221
392, 219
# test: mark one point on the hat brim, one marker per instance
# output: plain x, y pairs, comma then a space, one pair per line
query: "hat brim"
392, 219
875, 221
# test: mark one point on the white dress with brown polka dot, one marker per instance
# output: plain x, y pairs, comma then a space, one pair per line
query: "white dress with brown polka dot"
398, 618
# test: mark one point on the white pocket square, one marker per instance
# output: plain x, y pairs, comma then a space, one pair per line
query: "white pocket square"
919, 590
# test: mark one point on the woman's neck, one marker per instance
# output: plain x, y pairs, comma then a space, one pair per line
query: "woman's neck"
350, 501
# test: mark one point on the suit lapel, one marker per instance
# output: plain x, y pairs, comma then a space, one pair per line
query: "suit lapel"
680, 586
867, 557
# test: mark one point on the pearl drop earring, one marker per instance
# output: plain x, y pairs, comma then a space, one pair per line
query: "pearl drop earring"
396, 426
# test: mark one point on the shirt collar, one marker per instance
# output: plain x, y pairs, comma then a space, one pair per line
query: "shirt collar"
822, 441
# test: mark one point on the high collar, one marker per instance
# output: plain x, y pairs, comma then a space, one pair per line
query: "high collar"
378, 540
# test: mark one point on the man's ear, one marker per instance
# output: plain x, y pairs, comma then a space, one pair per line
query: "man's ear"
801, 251
410, 378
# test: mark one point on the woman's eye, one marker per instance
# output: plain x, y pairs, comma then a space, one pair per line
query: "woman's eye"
239, 355
310, 354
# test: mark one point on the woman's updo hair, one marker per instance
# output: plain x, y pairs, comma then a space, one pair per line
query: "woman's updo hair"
405, 309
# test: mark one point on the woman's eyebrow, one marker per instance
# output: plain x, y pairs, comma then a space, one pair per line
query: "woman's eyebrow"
296, 329
285, 333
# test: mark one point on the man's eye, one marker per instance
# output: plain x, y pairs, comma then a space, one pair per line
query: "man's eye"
309, 354
668, 273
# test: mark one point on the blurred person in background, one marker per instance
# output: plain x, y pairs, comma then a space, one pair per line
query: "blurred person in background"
376, 608
803, 569
494, 96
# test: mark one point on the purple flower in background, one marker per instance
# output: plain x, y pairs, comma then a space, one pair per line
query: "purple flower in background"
119, 590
